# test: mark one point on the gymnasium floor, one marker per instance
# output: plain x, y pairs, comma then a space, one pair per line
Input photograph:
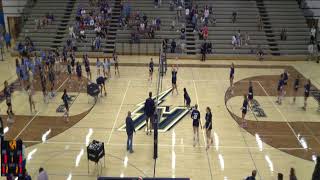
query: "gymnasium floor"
236, 152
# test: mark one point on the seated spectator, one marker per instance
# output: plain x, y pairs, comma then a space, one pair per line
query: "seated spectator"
151, 33
71, 32
158, 23
283, 34
238, 37
200, 34
173, 24
98, 43
50, 18
260, 23
234, 16
141, 28
205, 32
173, 46
260, 53
82, 35
183, 33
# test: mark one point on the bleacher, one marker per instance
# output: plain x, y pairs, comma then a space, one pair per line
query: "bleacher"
275, 16
147, 45
221, 33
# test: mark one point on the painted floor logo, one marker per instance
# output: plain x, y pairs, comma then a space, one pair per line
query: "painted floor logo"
169, 117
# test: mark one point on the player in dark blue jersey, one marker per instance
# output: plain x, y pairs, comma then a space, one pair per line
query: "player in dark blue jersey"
244, 109
250, 93
151, 65
280, 89
149, 110
65, 99
208, 127
296, 87
195, 116
285, 81
174, 78
186, 97
79, 74
87, 65
307, 87
231, 76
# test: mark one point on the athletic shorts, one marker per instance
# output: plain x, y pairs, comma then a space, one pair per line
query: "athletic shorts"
195, 123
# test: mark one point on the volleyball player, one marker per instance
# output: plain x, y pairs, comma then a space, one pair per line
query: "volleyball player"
73, 62
280, 89
30, 92
174, 73
7, 95
108, 68
285, 81
19, 73
208, 127
296, 87
231, 77
87, 66
151, 65
51, 77
98, 64
43, 84
195, 116
79, 75
149, 109
187, 100
101, 82
116, 64
65, 99
306, 93
244, 109
250, 93
105, 67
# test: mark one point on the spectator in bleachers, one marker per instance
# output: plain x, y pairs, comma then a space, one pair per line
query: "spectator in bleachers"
313, 34
203, 50
234, 16
98, 43
194, 23
205, 32
238, 37
283, 34
246, 38
310, 51
173, 46
37, 23
183, 32
260, 53
158, 23
206, 15
82, 35
151, 32
171, 5
49, 17
259, 23
71, 32
173, 24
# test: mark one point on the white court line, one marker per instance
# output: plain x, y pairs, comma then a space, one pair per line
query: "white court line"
165, 145
24, 128
185, 80
279, 112
117, 117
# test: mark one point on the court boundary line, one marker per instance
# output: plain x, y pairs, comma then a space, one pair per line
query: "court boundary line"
283, 117
118, 114
36, 115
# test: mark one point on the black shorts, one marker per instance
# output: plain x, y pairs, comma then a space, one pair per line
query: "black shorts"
306, 94
150, 70
250, 97
296, 88
87, 69
116, 65
66, 105
285, 83
149, 117
9, 104
174, 81
231, 76
195, 123
188, 103
79, 75
244, 111
208, 127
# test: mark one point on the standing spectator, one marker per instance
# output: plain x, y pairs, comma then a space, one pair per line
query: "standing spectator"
7, 39
42, 174
234, 42
311, 51
183, 33
130, 129
253, 175
173, 46
234, 16
316, 172
246, 39
158, 23
292, 175
98, 43
313, 34
283, 34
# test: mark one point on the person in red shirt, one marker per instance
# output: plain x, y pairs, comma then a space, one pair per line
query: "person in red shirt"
205, 32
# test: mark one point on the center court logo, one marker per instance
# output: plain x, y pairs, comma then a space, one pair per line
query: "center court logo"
168, 117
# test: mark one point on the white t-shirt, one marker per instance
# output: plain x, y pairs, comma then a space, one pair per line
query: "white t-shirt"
187, 12
313, 31
206, 13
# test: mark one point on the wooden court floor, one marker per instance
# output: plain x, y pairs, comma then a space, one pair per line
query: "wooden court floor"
270, 144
